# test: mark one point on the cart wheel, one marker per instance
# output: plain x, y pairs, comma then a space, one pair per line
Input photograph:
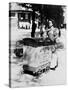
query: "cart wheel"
18, 52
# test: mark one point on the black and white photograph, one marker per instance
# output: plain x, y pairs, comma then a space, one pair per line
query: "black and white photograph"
37, 44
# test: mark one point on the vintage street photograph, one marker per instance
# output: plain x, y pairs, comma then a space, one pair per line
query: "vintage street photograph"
37, 44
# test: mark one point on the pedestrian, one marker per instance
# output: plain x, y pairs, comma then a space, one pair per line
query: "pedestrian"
53, 34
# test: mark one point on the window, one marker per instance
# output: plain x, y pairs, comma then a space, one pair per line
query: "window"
11, 14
